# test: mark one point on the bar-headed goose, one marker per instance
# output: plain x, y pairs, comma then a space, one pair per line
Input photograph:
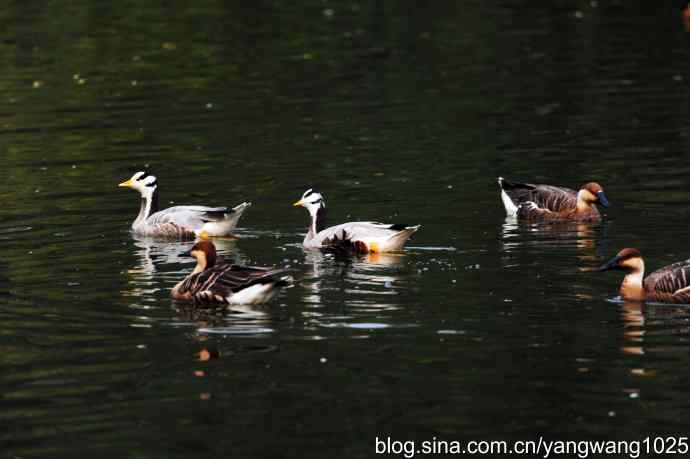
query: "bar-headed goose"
359, 237
184, 222
670, 284
545, 202
213, 283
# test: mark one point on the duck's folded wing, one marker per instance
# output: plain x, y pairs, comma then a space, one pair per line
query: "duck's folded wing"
226, 279
553, 198
354, 231
671, 283
191, 217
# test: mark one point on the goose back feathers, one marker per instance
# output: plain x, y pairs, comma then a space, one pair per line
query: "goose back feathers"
670, 284
213, 283
546, 202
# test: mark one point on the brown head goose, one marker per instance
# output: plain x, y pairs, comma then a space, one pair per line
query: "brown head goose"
225, 283
183, 222
360, 237
670, 284
545, 202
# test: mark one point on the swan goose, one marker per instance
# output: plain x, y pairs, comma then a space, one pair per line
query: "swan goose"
670, 284
527, 201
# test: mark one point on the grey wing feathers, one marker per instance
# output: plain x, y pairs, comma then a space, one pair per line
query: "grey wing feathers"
209, 214
355, 230
671, 282
181, 219
180, 214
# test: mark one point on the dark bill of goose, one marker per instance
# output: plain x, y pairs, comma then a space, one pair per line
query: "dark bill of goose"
611, 265
603, 200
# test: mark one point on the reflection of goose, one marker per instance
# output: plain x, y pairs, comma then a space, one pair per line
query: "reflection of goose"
329, 263
633, 318
153, 252
154, 259
670, 284
246, 319
183, 222
583, 235
642, 321
226, 283
362, 275
545, 202
358, 237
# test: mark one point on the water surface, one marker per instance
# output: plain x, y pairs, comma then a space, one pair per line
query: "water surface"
481, 329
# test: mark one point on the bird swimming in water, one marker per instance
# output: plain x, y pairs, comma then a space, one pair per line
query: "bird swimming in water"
670, 284
180, 222
357, 237
527, 201
214, 283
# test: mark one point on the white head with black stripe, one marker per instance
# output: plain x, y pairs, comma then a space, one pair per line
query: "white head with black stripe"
144, 182
312, 200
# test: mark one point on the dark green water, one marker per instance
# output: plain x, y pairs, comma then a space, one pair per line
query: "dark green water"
481, 330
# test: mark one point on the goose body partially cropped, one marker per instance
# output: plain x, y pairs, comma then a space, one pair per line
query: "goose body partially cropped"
670, 284
528, 201
182, 222
212, 283
359, 237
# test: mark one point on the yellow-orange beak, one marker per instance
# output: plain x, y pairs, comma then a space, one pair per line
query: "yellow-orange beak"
299, 203
127, 184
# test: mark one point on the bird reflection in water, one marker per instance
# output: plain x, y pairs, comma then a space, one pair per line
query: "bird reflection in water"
326, 266
206, 316
632, 314
361, 286
212, 349
205, 355
654, 322
586, 237
582, 234
155, 255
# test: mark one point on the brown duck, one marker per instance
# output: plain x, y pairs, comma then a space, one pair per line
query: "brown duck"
213, 283
527, 201
670, 284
